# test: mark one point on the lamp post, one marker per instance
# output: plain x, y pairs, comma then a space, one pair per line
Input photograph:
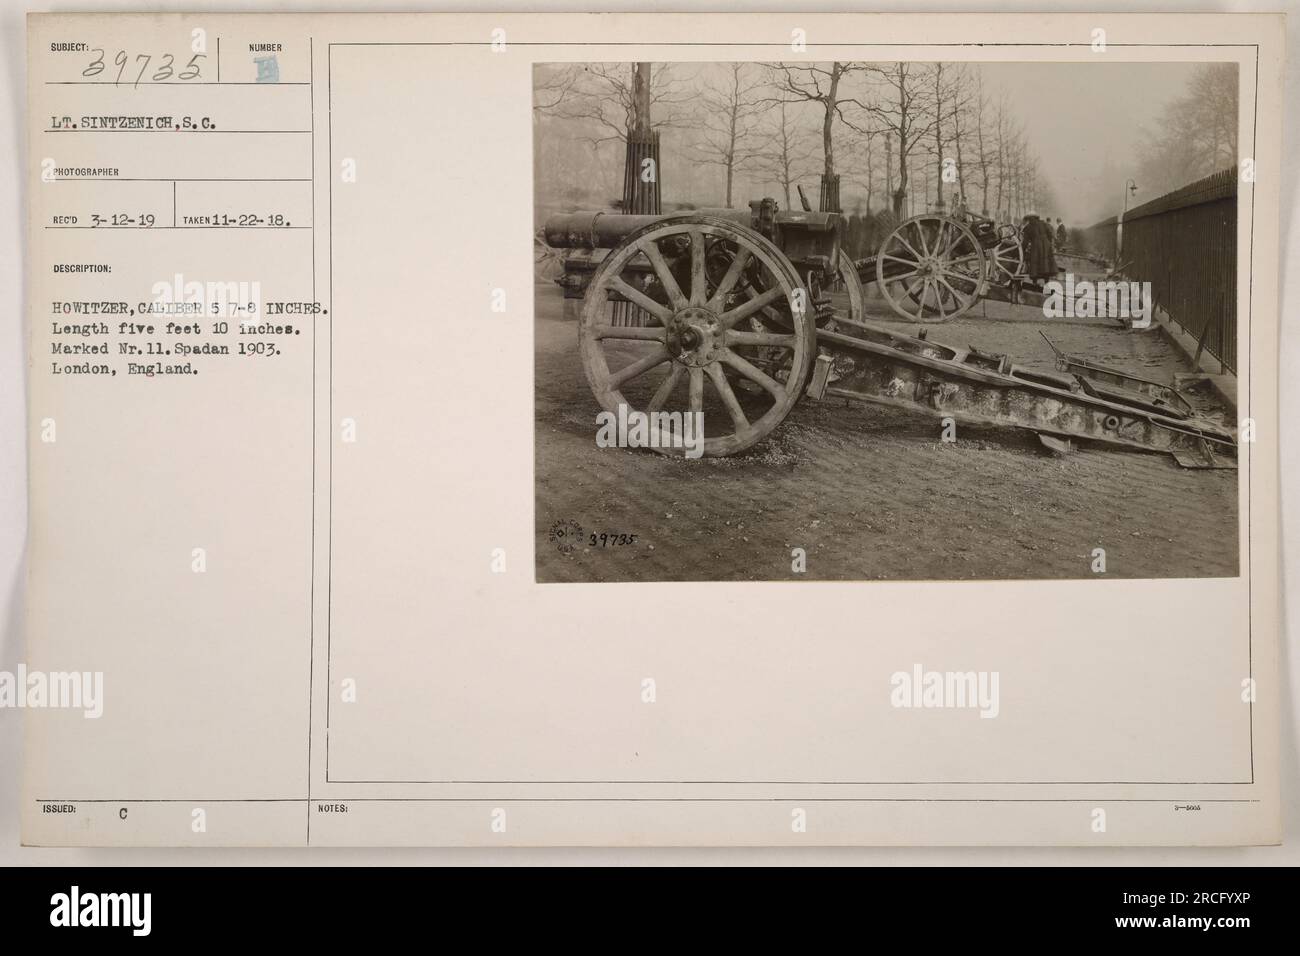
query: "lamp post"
1130, 188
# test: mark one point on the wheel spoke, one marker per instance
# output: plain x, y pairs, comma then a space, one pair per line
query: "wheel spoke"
925, 291
939, 242
635, 295
916, 256
905, 275
649, 333
960, 240
639, 367
729, 280
911, 288
697, 389
729, 400
954, 265
914, 263
960, 299
961, 237
665, 274
665, 388
754, 374
938, 298
761, 338
920, 232
699, 293
749, 307
932, 285
960, 277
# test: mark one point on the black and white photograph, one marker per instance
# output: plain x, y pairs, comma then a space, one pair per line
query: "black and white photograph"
885, 320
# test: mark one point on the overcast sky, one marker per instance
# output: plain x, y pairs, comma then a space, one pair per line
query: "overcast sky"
1085, 121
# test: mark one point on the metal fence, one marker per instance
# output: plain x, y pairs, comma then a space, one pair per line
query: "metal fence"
1185, 244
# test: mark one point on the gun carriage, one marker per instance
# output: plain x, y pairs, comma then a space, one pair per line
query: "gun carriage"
729, 313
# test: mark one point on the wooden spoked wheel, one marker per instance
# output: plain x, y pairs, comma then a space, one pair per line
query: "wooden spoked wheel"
730, 331
548, 262
1006, 259
847, 273
931, 268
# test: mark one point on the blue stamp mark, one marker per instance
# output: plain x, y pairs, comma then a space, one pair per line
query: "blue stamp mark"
268, 69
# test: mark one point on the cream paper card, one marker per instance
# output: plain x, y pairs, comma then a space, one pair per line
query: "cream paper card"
340, 328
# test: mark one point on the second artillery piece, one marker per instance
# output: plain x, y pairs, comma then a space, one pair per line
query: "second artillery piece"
729, 312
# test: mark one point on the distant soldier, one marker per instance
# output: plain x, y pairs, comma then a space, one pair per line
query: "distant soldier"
1061, 234
1037, 237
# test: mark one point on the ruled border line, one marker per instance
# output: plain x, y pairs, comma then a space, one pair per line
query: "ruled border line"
733, 46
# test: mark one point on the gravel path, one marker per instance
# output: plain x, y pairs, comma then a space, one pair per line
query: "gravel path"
872, 493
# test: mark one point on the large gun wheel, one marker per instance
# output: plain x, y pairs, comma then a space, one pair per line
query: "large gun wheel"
730, 331
1006, 260
931, 268
846, 271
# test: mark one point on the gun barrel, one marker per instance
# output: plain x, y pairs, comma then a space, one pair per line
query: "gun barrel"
605, 230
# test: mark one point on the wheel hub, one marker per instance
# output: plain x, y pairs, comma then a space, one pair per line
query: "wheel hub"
694, 336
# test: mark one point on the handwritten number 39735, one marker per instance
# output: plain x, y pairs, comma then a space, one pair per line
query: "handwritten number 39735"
163, 70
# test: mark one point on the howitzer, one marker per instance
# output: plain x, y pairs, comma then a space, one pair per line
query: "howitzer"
727, 313
810, 241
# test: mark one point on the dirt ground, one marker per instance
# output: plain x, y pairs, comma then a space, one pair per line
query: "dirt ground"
871, 492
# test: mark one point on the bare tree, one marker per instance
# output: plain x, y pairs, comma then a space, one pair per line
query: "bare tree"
789, 152
863, 147
1024, 171
552, 85
980, 101
963, 95
612, 98
903, 111
949, 96
1000, 135
1017, 192
889, 170
942, 95
1012, 157
821, 83
1214, 93
1197, 132
727, 123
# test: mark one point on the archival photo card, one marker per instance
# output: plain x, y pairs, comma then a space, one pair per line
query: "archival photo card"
536, 430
